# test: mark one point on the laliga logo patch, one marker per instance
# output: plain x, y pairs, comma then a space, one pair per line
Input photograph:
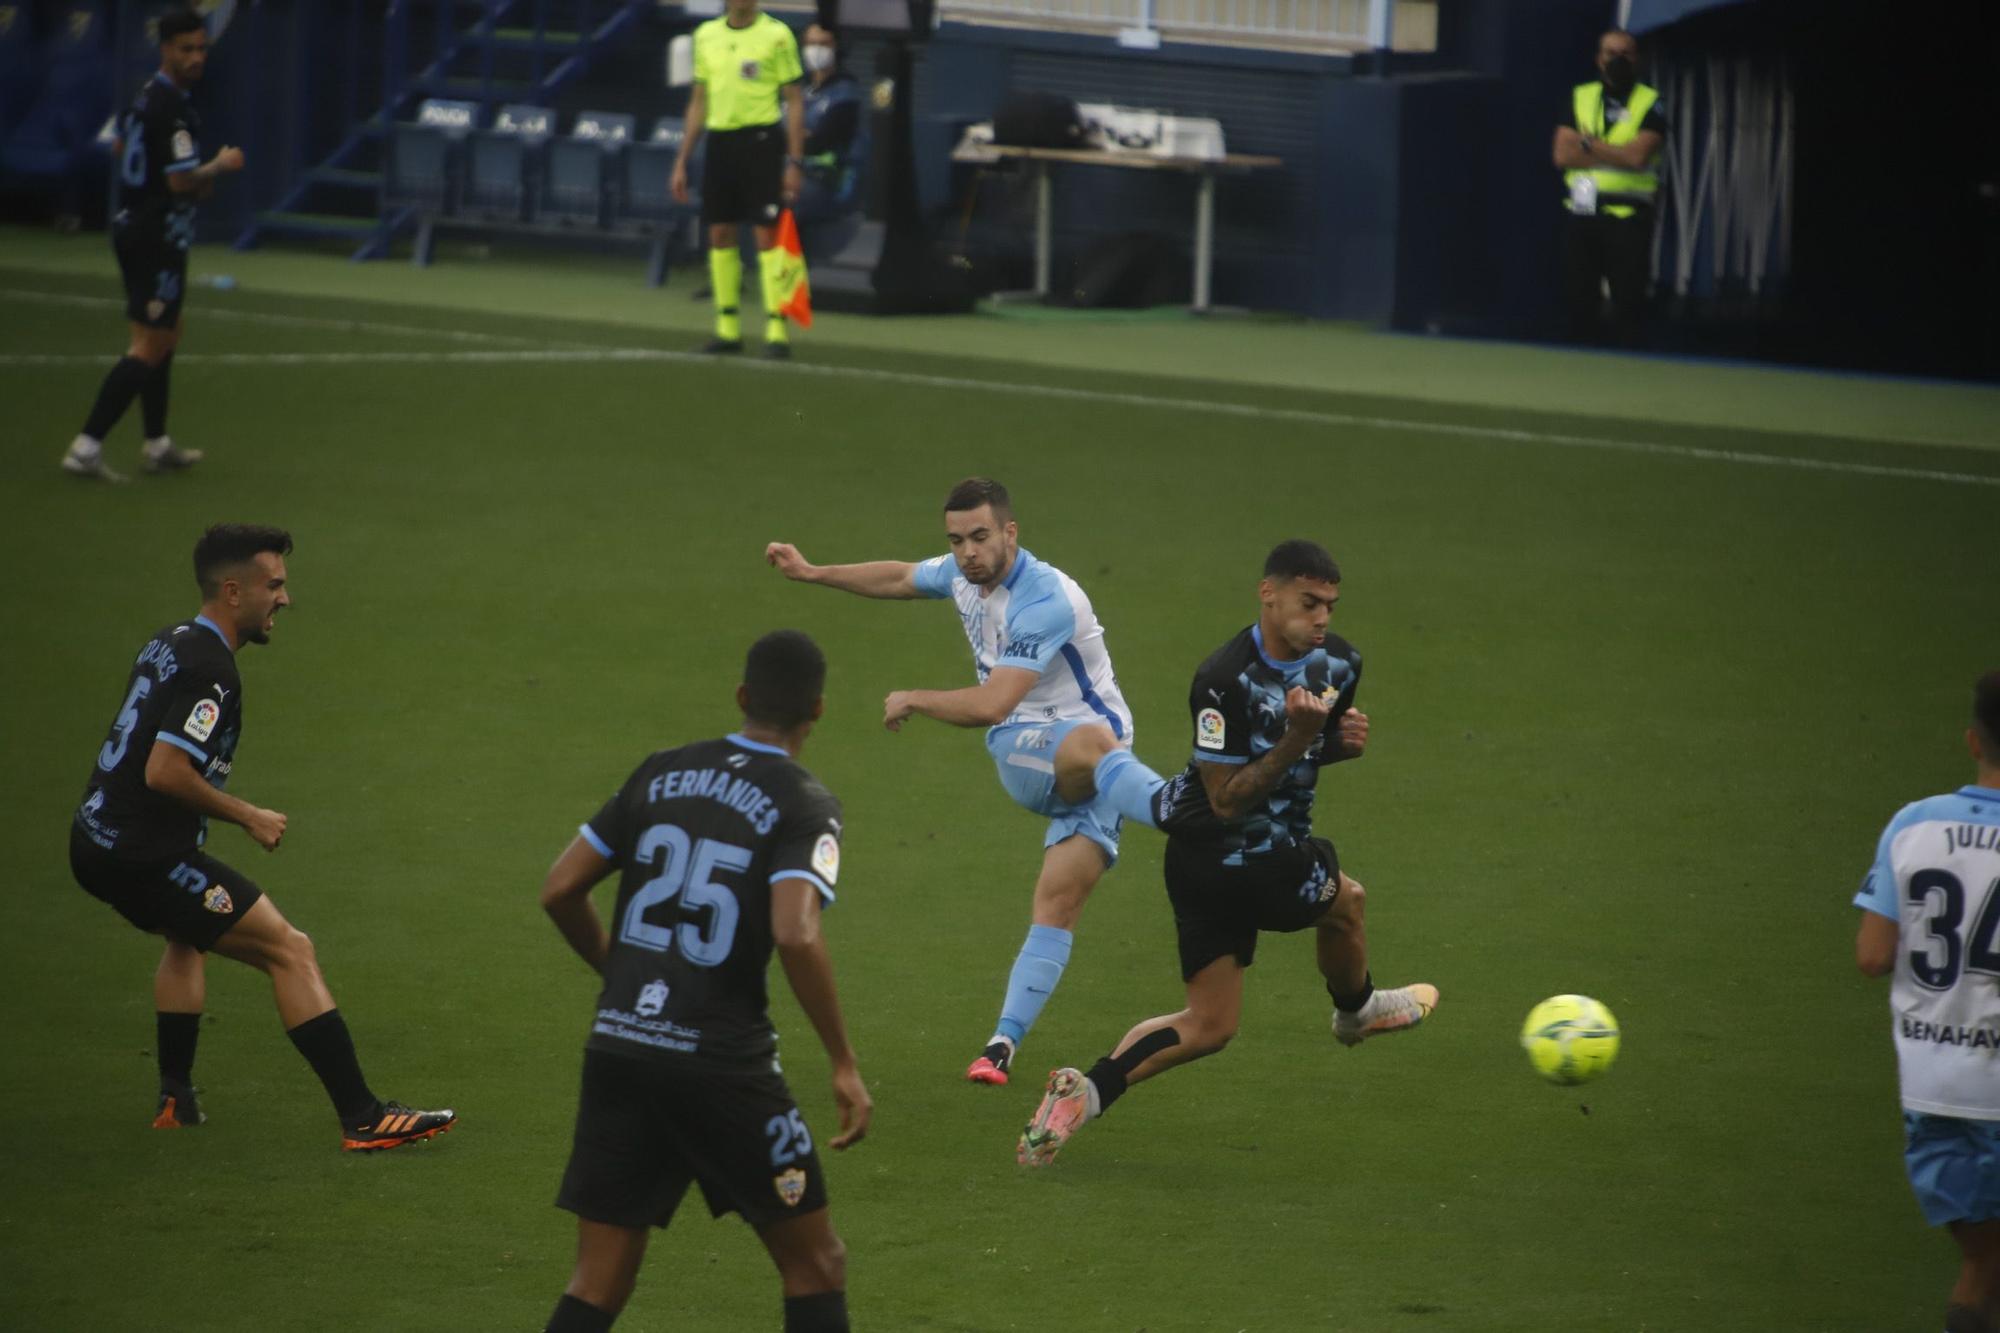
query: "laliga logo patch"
183, 144
826, 857
1208, 729
652, 999
791, 1186
749, 70
217, 900
202, 720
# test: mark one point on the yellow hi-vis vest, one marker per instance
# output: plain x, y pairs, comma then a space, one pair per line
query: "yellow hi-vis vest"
1618, 192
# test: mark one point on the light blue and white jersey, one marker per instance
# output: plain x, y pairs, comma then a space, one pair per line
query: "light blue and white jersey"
1040, 620
1937, 875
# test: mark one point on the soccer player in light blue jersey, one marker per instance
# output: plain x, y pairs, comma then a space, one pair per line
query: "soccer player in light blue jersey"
1058, 730
1930, 917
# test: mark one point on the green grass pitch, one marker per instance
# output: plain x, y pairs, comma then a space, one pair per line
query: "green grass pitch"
1638, 719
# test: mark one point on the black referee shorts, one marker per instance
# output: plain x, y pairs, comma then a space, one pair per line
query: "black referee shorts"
192, 898
1218, 908
155, 276
743, 177
647, 1129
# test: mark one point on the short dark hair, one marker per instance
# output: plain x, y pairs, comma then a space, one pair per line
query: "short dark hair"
1986, 713
1300, 559
228, 544
976, 491
783, 678
179, 22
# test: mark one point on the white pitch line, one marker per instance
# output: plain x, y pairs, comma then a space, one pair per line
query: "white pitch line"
212, 311
586, 353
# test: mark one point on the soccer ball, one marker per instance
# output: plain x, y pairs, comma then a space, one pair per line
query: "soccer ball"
1570, 1039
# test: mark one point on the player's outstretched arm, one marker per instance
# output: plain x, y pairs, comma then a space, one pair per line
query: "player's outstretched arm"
809, 972
891, 579
170, 771
986, 704
566, 898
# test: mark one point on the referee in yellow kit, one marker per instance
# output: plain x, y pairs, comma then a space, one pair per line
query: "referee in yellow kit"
743, 63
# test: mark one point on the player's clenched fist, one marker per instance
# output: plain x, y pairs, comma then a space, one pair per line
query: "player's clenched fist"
229, 159
1305, 711
1353, 731
785, 558
267, 827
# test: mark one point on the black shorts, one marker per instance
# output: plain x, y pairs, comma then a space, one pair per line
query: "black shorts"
645, 1131
743, 178
1218, 909
155, 274
192, 898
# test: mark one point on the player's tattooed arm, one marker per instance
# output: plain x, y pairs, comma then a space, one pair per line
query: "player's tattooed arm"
1234, 790
892, 579
566, 898
795, 908
171, 773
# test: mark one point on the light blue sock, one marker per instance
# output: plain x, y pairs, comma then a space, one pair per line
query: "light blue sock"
1037, 969
1129, 786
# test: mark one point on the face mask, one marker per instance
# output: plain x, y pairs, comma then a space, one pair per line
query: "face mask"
1620, 72
819, 58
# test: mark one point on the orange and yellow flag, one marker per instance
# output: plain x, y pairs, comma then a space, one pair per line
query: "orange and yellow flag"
794, 294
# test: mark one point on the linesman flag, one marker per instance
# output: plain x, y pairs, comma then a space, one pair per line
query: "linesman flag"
794, 295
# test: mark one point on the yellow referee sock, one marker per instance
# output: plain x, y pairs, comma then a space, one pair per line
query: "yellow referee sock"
725, 275
769, 262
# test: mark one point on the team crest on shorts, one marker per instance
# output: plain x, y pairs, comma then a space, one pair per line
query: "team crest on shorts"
155, 308
791, 1186
217, 901
652, 999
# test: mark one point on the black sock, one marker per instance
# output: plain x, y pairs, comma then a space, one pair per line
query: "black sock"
153, 399
1110, 1082
1965, 1319
572, 1315
122, 384
177, 1033
824, 1313
327, 1047
1351, 1004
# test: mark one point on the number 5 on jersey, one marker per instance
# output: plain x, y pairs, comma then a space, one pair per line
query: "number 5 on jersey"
686, 872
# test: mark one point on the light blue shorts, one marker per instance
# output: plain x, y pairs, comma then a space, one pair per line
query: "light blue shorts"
1024, 754
1954, 1167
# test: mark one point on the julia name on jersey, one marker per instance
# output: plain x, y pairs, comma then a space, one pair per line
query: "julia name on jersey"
740, 795
1944, 1034
1972, 837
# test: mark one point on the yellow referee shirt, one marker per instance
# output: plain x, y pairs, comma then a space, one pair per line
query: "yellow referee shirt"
742, 69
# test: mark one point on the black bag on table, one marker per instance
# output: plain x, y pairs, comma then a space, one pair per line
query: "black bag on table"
1038, 120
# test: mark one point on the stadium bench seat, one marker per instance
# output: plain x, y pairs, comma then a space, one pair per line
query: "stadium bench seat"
580, 166
503, 164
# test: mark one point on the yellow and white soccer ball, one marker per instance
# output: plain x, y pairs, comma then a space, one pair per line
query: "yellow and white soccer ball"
1570, 1039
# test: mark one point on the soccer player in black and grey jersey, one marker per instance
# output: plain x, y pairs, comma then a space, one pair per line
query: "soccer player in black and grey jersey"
724, 850
1270, 709
137, 842
161, 176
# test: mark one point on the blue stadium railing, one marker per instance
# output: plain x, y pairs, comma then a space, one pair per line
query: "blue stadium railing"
520, 52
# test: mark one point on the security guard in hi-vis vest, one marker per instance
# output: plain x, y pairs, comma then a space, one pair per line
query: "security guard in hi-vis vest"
1607, 154
745, 64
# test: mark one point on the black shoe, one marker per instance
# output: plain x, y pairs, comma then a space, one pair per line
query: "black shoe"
777, 351
177, 1108
1181, 808
722, 347
394, 1126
